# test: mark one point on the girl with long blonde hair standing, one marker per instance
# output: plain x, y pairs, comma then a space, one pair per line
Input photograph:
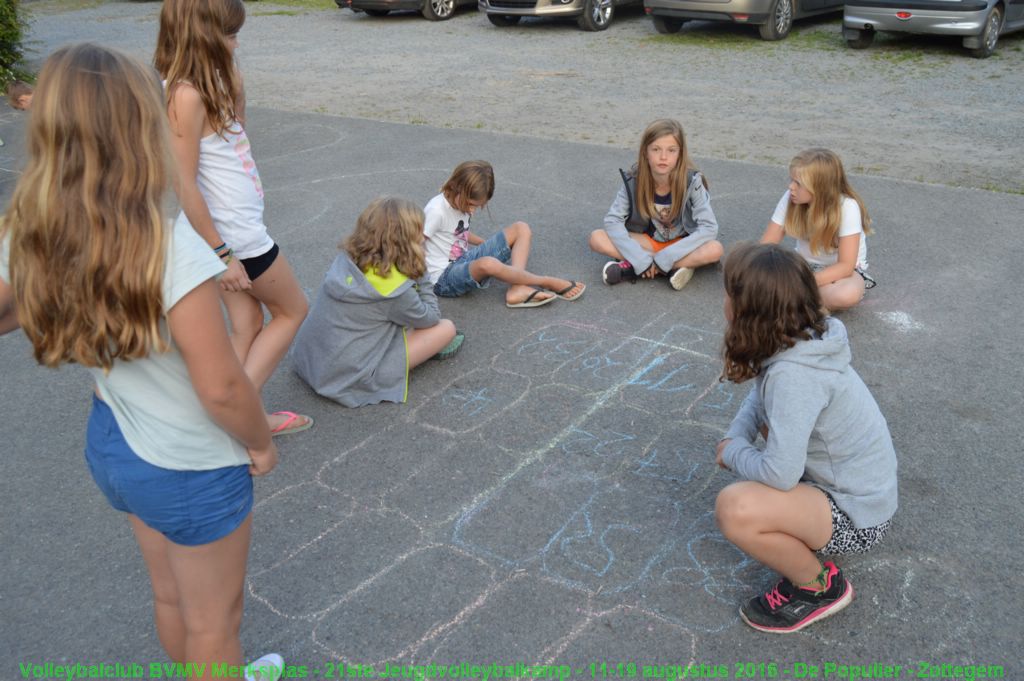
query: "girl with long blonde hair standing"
219, 187
177, 429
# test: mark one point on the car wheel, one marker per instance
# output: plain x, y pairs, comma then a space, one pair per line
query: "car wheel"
597, 15
377, 12
989, 35
862, 41
667, 24
503, 19
780, 20
438, 10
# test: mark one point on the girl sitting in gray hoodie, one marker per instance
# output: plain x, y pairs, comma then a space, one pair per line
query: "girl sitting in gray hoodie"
376, 315
824, 481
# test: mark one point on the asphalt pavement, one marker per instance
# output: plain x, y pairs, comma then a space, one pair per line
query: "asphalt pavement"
546, 496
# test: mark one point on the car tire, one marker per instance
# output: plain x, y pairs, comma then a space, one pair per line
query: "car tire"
862, 41
989, 35
667, 25
377, 12
780, 21
438, 10
503, 19
597, 15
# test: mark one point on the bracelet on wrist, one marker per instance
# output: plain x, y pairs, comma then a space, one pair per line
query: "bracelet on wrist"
222, 247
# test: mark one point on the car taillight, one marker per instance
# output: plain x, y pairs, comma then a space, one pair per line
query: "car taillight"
903, 15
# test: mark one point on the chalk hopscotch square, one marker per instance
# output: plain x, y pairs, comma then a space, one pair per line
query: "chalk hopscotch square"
546, 350
471, 401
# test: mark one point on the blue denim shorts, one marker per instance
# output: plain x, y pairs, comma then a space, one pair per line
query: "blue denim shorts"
188, 507
455, 280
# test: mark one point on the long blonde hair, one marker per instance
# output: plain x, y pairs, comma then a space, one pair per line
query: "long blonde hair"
389, 232
821, 172
192, 48
86, 221
677, 177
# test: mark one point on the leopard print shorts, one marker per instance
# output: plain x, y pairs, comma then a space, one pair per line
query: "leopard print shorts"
846, 538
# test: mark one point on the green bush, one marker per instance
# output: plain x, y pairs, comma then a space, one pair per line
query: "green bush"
12, 27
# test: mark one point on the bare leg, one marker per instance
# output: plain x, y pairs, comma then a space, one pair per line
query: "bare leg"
779, 529
703, 255
423, 344
519, 237
843, 294
278, 289
198, 591
601, 243
245, 314
170, 625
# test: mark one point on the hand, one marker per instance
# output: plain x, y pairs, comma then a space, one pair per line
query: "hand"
718, 453
263, 460
235, 279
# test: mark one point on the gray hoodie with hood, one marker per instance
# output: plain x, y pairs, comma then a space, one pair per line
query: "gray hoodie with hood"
824, 428
352, 347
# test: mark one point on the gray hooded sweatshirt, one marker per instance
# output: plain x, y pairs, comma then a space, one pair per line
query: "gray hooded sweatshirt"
352, 347
824, 428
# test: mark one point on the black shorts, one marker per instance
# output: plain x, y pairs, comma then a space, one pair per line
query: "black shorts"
259, 264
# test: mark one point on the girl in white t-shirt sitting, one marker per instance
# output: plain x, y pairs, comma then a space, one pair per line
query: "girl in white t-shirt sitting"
829, 222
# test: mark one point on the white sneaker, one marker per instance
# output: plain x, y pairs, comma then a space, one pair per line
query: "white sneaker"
680, 278
267, 668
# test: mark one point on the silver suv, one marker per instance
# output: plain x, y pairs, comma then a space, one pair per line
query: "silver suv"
592, 15
980, 22
773, 18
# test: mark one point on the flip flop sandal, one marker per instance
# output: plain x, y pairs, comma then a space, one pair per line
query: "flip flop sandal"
286, 428
450, 350
532, 300
574, 284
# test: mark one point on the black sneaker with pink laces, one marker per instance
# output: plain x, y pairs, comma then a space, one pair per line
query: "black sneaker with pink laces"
787, 608
616, 271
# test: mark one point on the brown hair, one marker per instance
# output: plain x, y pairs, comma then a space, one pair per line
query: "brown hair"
677, 177
821, 172
775, 303
86, 222
470, 181
17, 89
389, 233
192, 48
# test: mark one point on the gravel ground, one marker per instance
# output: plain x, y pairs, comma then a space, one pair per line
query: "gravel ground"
911, 108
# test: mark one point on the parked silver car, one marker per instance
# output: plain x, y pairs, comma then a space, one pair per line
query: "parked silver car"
980, 22
591, 15
435, 10
773, 18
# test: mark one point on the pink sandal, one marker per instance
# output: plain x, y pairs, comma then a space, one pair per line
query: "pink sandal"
287, 426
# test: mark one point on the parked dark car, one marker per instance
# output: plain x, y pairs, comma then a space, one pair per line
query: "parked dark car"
773, 18
591, 15
435, 10
980, 22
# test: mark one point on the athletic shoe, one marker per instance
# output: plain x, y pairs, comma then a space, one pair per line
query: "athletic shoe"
787, 608
267, 668
680, 277
452, 348
617, 270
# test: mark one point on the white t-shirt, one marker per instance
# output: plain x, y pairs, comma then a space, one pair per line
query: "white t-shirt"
231, 186
152, 398
446, 231
850, 223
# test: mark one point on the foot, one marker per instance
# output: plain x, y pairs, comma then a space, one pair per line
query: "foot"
267, 668
616, 271
520, 295
287, 422
568, 289
680, 277
787, 608
450, 350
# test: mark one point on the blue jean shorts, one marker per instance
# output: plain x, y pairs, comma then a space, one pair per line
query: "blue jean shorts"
188, 507
455, 281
